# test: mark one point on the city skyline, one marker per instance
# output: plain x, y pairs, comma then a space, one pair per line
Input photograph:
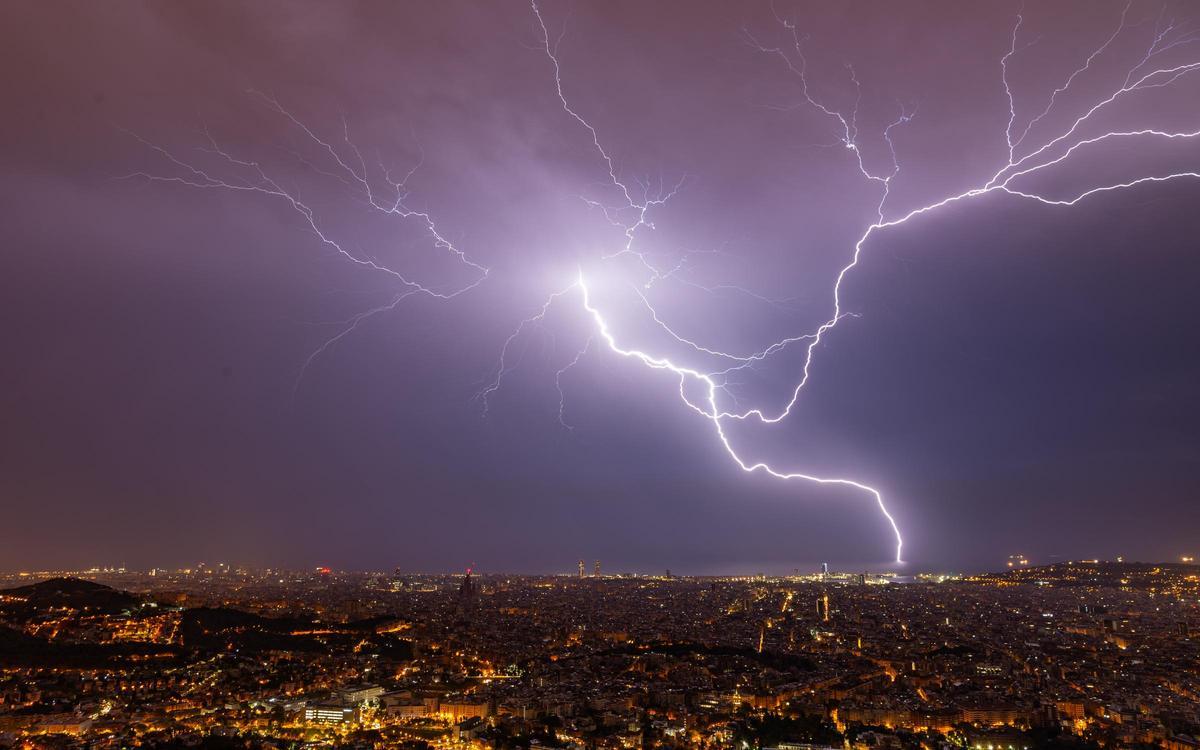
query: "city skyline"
1084, 656
718, 289
821, 572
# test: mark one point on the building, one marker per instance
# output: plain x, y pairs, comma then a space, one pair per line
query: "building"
407, 710
457, 711
328, 713
355, 695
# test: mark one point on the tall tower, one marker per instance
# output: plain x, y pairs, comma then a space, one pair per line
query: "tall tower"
823, 607
466, 589
581, 568
466, 599
824, 571
596, 569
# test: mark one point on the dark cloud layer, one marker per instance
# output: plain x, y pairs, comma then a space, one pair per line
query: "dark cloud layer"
1020, 377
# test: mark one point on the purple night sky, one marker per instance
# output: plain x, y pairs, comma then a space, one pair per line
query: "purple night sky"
1013, 376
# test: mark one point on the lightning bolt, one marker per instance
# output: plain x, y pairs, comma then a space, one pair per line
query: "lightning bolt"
1020, 163
711, 412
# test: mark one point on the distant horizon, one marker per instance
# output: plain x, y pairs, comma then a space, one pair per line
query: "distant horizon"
748, 573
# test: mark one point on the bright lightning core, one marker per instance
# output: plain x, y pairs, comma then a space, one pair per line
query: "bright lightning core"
1028, 146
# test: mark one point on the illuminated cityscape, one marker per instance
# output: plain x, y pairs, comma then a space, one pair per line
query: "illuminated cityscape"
1079, 654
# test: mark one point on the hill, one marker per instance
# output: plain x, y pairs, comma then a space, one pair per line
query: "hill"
74, 593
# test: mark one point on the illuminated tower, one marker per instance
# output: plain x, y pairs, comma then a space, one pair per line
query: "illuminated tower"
466, 599
467, 588
823, 607
596, 569
581, 568
824, 571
